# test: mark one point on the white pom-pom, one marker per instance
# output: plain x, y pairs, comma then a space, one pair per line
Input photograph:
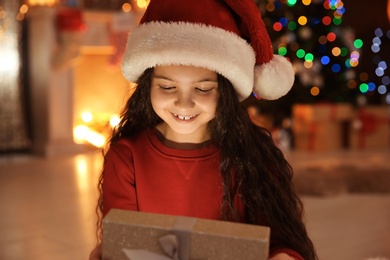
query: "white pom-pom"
273, 79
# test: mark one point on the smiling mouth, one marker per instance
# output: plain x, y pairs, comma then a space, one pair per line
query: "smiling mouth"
185, 118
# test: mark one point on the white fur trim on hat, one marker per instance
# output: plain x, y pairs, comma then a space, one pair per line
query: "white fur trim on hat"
273, 79
181, 43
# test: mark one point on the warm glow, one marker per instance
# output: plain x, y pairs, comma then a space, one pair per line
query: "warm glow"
80, 134
96, 139
42, 2
95, 128
126, 7
3, 13
308, 64
302, 20
114, 121
9, 61
82, 172
142, 3
23, 9
388, 9
87, 117
354, 62
81, 165
19, 16
270, 7
315, 91
336, 51
9, 52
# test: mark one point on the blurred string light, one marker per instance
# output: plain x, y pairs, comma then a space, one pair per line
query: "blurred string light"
298, 27
303, 27
291, 2
381, 70
126, 7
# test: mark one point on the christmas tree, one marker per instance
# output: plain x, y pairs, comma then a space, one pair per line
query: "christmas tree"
323, 51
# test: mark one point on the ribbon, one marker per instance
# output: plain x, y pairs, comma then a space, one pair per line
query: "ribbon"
311, 115
312, 132
176, 245
139, 254
370, 124
317, 112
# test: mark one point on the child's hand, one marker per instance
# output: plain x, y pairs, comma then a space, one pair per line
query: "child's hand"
281, 256
96, 253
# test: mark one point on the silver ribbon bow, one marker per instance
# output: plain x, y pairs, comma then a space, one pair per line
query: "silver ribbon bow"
176, 246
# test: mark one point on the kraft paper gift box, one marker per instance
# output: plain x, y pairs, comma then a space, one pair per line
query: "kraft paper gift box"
320, 127
323, 112
371, 128
137, 235
317, 136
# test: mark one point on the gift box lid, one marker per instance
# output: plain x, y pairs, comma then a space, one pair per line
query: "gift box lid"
208, 239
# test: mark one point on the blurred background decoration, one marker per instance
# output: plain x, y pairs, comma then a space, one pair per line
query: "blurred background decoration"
322, 49
42, 2
330, 51
388, 9
13, 120
69, 90
340, 56
61, 85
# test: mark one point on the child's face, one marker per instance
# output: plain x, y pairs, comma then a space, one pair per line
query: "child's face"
185, 98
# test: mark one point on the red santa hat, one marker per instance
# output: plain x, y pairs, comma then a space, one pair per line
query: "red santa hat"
226, 36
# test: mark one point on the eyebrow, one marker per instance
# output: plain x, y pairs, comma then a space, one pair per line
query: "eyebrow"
167, 78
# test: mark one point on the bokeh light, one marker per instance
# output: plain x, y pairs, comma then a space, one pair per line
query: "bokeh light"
382, 89
358, 43
388, 98
363, 87
325, 60
318, 50
315, 91
302, 20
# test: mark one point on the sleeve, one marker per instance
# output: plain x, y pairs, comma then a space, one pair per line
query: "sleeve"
119, 179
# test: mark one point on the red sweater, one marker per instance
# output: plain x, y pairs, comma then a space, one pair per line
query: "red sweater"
143, 174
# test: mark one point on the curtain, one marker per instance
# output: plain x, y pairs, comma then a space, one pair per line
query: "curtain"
13, 118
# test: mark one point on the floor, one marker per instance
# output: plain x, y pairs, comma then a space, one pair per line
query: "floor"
48, 209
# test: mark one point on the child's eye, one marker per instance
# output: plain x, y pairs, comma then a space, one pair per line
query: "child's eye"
202, 90
167, 88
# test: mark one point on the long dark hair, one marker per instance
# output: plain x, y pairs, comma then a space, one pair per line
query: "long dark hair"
251, 166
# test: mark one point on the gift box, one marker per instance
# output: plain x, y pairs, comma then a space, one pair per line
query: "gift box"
321, 127
371, 128
317, 136
139, 235
322, 112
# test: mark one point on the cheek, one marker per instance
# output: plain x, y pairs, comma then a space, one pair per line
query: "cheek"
209, 104
157, 100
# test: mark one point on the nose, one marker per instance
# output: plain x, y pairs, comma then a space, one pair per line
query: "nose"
184, 100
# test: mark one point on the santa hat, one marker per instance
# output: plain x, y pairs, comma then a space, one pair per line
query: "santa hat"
226, 36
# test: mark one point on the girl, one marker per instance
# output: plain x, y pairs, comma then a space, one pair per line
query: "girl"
185, 144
